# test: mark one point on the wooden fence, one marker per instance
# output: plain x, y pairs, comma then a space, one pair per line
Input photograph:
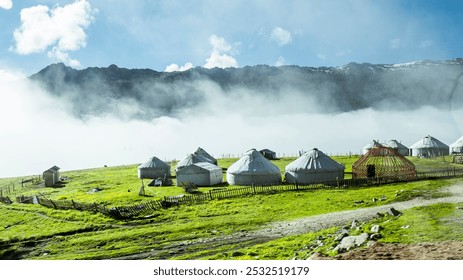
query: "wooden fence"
5, 200
12, 187
150, 207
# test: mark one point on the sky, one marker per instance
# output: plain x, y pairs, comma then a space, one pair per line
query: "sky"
37, 131
176, 35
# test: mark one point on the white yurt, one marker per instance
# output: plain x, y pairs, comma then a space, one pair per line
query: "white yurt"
191, 159
399, 147
429, 147
314, 167
253, 169
200, 151
200, 174
154, 168
457, 146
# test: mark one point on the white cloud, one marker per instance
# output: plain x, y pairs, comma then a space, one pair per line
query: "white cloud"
280, 61
220, 54
6, 4
219, 44
281, 36
61, 28
395, 43
174, 67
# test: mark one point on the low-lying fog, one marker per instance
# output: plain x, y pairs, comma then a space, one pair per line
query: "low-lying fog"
37, 131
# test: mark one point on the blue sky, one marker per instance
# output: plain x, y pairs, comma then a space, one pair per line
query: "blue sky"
175, 35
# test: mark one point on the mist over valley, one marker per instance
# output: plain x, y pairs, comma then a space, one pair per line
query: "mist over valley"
92, 117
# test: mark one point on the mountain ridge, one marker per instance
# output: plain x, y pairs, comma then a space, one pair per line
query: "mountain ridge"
354, 86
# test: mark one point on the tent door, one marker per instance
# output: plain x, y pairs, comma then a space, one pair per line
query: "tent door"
371, 171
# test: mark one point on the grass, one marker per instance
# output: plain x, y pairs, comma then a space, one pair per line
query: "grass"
439, 222
85, 235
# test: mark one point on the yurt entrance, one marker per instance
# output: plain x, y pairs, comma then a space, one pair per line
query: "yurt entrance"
371, 171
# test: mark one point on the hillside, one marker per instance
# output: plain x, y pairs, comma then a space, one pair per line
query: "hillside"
248, 227
146, 94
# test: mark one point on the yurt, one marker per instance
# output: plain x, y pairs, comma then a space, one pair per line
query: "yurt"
401, 148
200, 151
191, 159
154, 168
457, 146
253, 169
429, 147
200, 174
314, 167
367, 148
382, 161
268, 154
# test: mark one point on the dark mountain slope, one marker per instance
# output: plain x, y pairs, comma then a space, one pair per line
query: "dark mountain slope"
146, 94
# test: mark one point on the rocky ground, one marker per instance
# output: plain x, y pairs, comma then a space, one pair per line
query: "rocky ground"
449, 250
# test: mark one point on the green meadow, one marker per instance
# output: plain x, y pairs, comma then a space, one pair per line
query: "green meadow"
31, 231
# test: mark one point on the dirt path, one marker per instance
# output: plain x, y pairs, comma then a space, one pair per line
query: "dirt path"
299, 226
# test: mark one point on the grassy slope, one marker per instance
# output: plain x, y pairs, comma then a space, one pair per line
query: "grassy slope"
82, 235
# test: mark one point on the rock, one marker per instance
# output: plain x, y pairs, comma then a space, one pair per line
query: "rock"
376, 228
405, 227
350, 242
362, 238
380, 215
383, 198
395, 212
354, 224
375, 236
374, 200
359, 202
341, 236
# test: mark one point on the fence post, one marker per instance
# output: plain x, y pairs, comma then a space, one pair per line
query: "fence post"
210, 194
254, 188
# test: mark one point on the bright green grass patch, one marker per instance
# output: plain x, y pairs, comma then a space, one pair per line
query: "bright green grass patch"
21, 223
439, 222
286, 248
219, 217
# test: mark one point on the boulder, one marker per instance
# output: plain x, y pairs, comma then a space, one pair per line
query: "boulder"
375, 236
376, 228
350, 242
395, 212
